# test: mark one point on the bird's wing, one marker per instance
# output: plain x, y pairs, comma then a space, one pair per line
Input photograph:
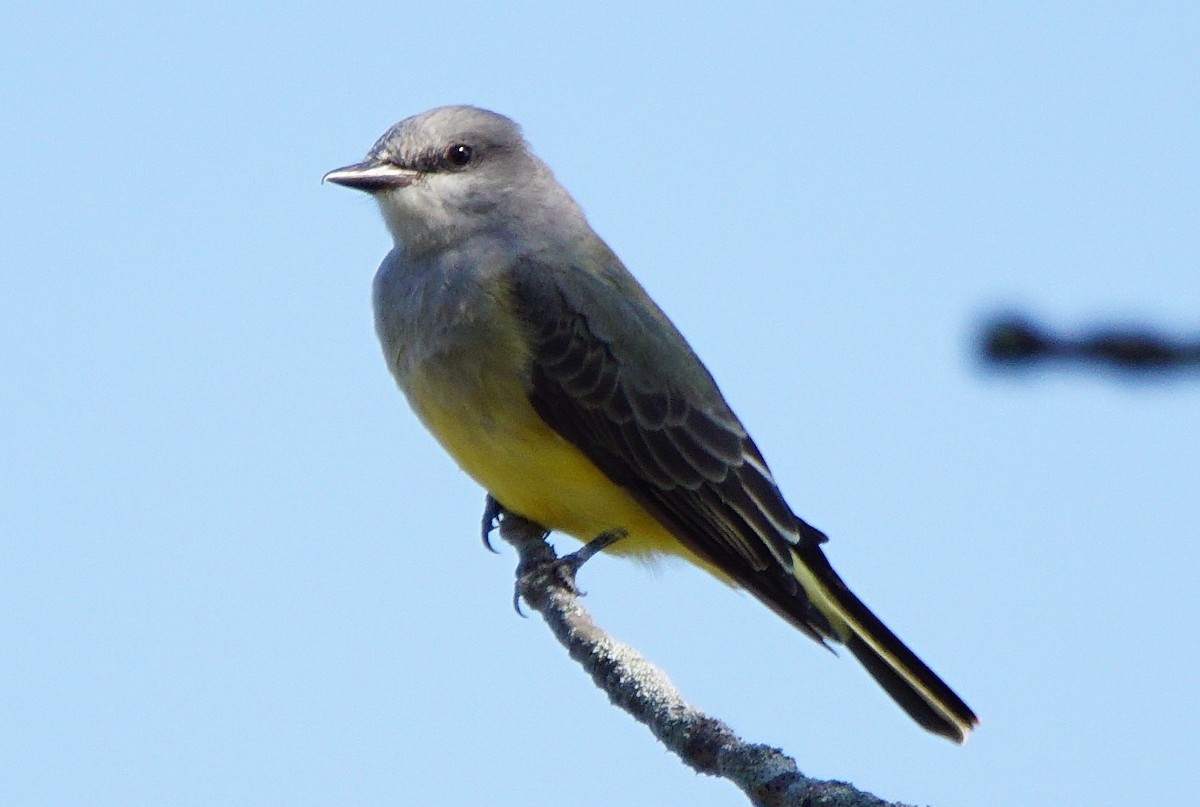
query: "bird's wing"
616, 379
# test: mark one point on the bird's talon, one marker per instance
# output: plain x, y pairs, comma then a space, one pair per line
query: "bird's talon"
493, 512
517, 601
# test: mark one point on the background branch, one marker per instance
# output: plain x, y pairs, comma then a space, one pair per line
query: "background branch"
1015, 340
768, 776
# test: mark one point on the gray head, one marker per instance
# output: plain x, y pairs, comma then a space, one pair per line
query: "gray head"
455, 172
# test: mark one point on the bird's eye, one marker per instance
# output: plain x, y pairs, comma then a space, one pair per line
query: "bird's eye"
459, 154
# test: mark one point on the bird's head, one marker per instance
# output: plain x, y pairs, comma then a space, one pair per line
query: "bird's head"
454, 172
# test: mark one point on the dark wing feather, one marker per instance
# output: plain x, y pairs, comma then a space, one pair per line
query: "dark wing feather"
599, 350
668, 438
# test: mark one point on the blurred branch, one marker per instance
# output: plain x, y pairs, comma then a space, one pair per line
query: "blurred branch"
706, 744
1015, 341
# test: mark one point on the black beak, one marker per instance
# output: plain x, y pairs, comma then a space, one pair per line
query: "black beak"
372, 176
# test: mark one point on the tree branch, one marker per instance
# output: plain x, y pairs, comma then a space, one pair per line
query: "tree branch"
766, 775
1015, 341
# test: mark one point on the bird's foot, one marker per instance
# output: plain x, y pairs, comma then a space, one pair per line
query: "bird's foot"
564, 569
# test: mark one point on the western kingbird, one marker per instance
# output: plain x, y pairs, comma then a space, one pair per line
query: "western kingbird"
546, 371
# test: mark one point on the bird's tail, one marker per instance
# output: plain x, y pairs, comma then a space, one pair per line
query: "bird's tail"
911, 683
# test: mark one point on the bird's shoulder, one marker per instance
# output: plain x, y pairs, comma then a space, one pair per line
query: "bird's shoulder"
590, 298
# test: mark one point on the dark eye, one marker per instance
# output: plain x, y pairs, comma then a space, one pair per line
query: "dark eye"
459, 154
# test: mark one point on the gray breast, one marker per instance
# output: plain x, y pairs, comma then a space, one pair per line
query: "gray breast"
445, 319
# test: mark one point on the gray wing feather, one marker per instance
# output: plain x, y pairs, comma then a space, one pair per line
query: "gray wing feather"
599, 344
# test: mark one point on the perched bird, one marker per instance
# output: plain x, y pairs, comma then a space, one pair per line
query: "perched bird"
546, 371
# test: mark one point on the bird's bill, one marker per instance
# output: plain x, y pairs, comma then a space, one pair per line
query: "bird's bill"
372, 176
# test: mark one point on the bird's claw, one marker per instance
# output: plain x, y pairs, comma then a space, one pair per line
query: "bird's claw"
565, 569
493, 512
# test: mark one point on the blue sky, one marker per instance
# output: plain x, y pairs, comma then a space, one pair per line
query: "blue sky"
234, 569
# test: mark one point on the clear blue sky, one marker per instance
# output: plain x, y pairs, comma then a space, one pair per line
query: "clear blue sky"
234, 570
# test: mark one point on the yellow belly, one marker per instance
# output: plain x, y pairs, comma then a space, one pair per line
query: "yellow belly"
507, 448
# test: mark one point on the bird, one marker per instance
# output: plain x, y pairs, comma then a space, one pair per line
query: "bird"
545, 370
